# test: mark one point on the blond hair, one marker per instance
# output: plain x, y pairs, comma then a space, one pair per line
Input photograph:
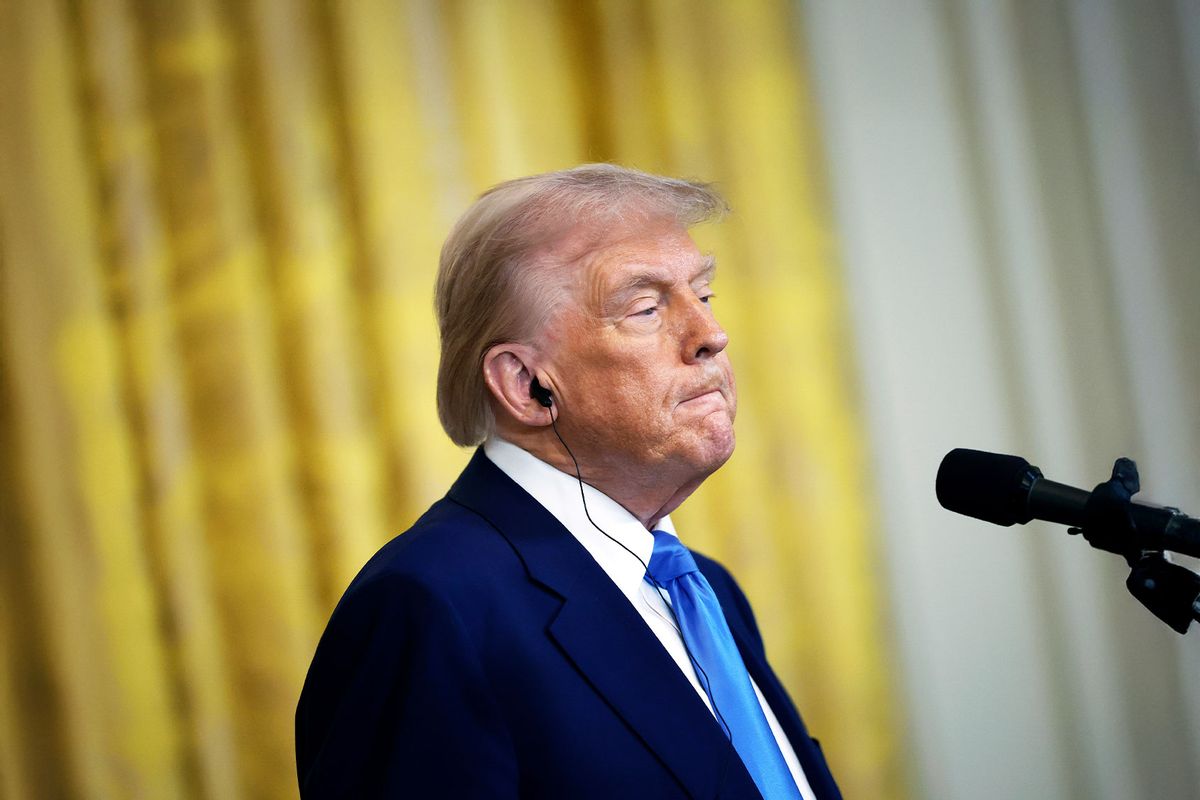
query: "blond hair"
486, 292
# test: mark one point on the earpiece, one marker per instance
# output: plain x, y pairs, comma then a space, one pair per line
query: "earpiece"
540, 393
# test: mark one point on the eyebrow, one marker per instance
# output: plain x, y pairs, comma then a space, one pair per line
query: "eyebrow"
641, 280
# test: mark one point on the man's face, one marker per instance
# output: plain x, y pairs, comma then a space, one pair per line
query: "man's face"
638, 359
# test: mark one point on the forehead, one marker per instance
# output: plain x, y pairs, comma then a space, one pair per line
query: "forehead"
664, 252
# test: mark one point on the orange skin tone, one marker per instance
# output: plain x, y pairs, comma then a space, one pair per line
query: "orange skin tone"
643, 390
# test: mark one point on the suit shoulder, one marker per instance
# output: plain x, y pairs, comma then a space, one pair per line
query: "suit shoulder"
448, 545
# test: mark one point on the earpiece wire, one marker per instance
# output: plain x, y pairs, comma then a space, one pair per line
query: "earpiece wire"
695, 664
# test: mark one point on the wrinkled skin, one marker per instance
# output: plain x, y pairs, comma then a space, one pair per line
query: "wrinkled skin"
644, 393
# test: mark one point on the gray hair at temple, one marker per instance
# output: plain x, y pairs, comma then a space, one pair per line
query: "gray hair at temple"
492, 284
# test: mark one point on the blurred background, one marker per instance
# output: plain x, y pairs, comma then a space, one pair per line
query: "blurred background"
969, 223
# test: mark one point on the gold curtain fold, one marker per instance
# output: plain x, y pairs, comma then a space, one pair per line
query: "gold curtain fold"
79, 573
394, 167
138, 263
219, 225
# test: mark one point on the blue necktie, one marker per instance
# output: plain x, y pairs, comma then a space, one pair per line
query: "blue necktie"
711, 645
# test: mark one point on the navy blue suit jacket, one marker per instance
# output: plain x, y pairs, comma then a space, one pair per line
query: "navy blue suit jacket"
485, 654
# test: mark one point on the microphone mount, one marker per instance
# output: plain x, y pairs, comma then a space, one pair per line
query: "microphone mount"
1170, 591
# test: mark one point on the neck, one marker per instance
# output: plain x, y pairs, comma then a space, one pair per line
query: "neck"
648, 498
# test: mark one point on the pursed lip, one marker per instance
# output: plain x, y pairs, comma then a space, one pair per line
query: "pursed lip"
703, 393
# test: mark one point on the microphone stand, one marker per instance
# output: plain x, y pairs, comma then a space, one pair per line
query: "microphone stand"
1170, 591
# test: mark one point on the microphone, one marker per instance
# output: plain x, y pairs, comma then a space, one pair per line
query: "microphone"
1007, 490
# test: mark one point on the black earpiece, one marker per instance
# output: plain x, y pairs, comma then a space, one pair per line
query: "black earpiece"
540, 393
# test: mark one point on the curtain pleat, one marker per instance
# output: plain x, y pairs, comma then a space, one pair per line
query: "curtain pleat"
394, 167
302, 208
225, 321
84, 570
219, 228
137, 268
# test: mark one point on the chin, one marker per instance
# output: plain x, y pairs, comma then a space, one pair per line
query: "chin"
714, 448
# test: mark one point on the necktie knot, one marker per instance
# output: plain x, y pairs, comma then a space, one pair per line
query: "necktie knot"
670, 559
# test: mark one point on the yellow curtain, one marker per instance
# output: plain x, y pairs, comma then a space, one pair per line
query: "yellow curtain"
219, 224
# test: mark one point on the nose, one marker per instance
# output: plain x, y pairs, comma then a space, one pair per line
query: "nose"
705, 337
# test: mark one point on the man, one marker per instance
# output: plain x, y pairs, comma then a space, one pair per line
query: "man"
540, 632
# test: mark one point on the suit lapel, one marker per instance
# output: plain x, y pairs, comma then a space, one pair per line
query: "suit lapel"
626, 664
603, 636
812, 761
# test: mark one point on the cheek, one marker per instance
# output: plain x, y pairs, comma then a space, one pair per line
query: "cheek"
606, 381
635, 376
627, 404
636, 399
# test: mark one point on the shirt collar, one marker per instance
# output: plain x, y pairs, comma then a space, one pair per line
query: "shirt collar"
558, 493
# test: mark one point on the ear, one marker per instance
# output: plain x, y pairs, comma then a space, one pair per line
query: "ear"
508, 372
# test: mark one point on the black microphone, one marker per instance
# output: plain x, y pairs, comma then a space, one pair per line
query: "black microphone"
1005, 490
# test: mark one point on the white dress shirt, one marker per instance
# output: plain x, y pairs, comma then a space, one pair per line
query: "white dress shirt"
558, 493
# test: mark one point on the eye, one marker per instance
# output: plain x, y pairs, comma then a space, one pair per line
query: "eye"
707, 298
648, 311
